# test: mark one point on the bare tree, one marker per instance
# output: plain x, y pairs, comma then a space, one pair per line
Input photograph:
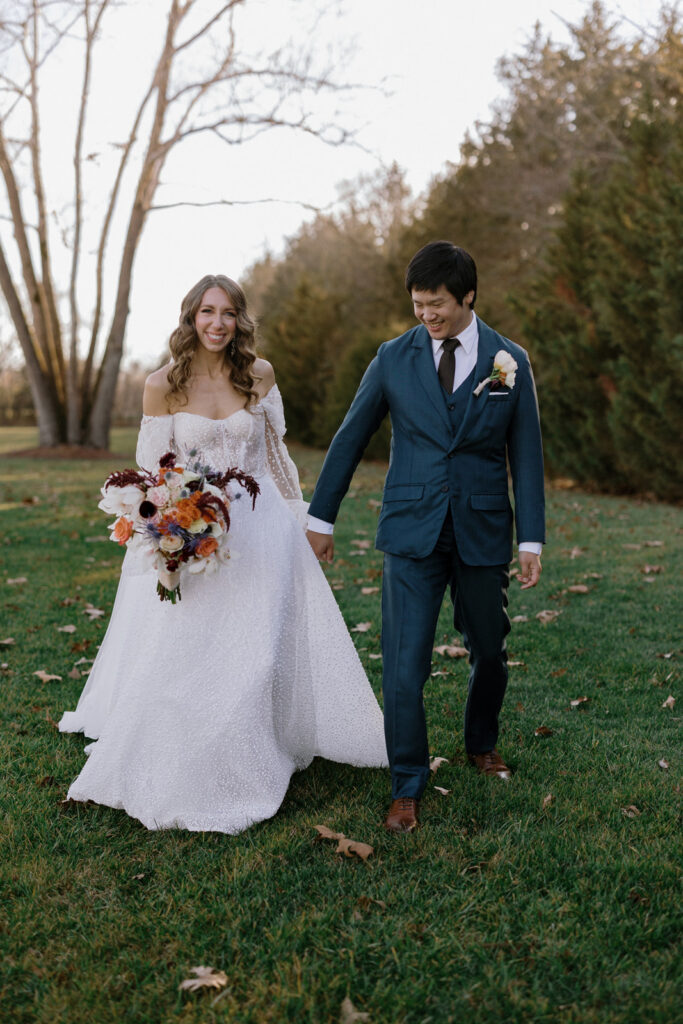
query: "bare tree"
203, 83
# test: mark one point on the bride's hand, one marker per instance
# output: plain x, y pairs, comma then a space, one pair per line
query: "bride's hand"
322, 544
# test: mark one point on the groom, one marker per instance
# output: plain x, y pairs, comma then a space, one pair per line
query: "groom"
446, 518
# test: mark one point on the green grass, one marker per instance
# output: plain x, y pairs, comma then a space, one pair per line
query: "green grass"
499, 908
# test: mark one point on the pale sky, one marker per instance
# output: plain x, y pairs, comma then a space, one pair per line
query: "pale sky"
437, 60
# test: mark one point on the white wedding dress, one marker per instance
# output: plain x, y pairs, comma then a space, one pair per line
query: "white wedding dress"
203, 710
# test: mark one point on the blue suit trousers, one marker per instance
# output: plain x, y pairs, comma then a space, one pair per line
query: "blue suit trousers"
412, 594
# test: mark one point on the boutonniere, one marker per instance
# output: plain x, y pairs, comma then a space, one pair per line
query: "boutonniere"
503, 372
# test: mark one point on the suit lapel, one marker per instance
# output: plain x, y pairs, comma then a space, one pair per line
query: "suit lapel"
489, 343
426, 373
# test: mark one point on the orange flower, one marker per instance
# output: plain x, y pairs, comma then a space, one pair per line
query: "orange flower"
206, 547
185, 511
123, 530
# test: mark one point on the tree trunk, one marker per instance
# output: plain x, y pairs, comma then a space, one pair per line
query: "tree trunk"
50, 422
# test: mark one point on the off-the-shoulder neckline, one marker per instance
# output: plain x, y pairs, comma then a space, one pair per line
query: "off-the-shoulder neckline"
211, 419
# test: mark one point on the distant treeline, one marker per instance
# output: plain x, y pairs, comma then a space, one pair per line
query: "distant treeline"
571, 201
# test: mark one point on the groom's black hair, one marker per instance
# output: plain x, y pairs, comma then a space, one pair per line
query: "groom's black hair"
440, 263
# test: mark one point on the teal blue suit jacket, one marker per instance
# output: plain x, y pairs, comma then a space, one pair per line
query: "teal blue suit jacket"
431, 466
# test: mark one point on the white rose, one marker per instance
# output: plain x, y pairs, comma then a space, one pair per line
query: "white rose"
505, 361
171, 543
510, 379
188, 476
198, 526
118, 501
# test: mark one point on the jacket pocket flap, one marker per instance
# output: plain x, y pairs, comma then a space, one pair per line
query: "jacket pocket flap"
489, 502
403, 492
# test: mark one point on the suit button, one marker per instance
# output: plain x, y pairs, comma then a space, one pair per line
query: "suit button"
444, 489
451, 407
451, 455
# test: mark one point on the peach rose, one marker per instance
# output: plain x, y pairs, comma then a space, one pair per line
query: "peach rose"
123, 530
206, 547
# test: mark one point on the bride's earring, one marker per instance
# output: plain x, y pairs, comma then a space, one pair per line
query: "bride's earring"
232, 349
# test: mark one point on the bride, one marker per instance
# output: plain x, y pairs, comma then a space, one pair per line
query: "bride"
202, 710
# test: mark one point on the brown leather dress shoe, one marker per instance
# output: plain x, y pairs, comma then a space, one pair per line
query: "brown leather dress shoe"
402, 816
490, 763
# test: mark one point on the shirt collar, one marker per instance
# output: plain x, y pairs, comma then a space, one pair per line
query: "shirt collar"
467, 338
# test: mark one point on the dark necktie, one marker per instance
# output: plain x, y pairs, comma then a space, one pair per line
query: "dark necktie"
446, 369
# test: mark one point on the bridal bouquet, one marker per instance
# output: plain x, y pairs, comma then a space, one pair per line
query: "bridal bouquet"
179, 514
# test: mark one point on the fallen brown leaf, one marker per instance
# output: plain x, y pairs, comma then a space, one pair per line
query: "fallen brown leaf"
436, 762
515, 664
631, 547
667, 656
349, 847
451, 650
663, 764
653, 543
547, 800
543, 730
75, 673
348, 1013
631, 811
205, 977
67, 601
369, 590
520, 618
547, 615
361, 627
7, 642
558, 672
578, 701
440, 789
47, 780
638, 897
374, 657
368, 902
326, 833
361, 543
669, 702
17, 580
92, 612
652, 570
441, 673
576, 553
45, 677
579, 588
66, 629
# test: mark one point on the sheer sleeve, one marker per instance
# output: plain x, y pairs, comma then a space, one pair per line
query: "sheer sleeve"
280, 465
154, 440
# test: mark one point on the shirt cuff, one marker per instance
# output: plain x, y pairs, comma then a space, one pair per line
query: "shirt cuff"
319, 525
527, 545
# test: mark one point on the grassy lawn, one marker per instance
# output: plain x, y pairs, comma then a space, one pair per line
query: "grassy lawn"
554, 897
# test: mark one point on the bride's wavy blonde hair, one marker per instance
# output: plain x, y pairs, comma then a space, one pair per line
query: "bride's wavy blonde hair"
238, 356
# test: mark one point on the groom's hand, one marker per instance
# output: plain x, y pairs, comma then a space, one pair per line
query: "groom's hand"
322, 544
529, 569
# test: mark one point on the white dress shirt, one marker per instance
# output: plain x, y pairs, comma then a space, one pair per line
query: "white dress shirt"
465, 361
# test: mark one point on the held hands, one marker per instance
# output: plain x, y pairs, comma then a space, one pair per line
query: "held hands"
529, 569
322, 544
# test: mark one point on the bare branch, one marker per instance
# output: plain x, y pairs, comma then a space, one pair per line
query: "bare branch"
209, 24
74, 404
246, 202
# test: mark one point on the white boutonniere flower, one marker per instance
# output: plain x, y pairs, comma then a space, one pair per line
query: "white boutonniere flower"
503, 372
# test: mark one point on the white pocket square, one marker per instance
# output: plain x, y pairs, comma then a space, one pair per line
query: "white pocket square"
499, 394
